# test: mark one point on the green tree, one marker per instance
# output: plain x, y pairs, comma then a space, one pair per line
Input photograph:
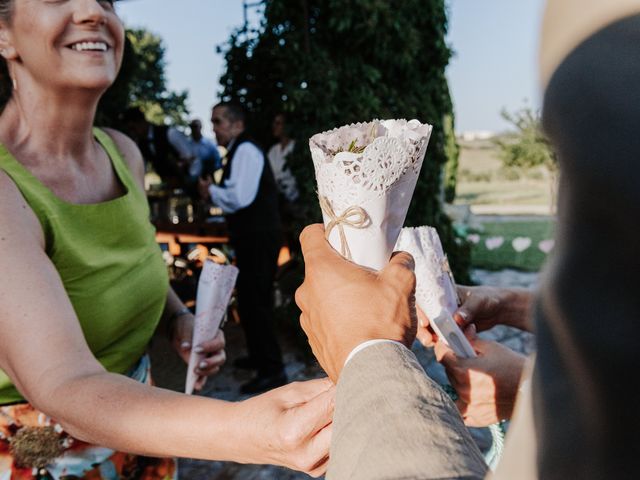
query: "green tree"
527, 147
332, 62
452, 151
142, 82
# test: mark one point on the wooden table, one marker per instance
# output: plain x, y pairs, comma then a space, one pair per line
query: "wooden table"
201, 233
179, 234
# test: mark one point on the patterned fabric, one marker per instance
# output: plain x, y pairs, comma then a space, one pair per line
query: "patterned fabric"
35, 447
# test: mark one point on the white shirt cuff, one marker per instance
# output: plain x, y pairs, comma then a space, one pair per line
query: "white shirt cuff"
366, 344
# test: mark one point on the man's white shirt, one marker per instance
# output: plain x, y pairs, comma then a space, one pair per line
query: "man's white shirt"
240, 189
368, 343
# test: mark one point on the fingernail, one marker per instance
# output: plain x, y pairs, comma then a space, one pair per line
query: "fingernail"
198, 349
185, 345
202, 365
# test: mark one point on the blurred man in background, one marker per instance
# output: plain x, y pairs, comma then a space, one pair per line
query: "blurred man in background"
248, 196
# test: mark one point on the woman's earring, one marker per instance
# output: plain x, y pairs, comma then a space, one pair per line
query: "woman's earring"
15, 84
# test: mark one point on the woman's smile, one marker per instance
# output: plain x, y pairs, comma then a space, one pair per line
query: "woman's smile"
90, 46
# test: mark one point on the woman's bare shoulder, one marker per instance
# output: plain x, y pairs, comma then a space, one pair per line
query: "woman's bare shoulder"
18, 222
130, 152
567, 23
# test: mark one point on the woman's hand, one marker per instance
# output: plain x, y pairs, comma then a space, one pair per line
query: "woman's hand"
425, 334
213, 350
487, 385
290, 426
486, 307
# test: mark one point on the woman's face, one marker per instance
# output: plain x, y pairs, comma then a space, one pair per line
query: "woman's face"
277, 126
65, 43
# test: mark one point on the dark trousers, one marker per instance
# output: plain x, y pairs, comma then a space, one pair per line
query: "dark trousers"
257, 259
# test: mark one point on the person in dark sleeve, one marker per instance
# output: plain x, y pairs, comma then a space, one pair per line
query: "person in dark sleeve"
248, 196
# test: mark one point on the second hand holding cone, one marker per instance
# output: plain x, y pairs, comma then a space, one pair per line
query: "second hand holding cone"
214, 293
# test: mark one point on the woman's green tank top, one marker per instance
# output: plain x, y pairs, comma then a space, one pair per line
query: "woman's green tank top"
108, 260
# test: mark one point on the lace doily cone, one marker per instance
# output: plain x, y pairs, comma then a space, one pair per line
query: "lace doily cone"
435, 289
215, 287
366, 174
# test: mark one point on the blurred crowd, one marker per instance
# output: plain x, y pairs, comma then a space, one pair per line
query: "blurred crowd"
256, 193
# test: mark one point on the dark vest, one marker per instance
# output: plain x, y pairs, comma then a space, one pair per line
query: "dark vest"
262, 214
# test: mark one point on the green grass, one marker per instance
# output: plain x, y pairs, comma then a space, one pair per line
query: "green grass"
484, 182
505, 256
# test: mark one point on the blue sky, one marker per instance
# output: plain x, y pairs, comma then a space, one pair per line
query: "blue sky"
494, 66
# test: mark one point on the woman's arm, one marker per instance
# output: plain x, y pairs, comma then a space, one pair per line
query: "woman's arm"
176, 318
569, 22
43, 351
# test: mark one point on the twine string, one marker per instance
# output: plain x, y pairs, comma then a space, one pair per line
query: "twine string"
353, 216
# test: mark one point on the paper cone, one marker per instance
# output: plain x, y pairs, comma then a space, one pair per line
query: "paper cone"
366, 174
214, 293
435, 289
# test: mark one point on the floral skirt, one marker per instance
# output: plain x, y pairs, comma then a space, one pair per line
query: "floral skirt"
34, 447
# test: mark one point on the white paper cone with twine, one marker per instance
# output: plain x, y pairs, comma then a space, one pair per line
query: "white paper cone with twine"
366, 174
435, 288
214, 293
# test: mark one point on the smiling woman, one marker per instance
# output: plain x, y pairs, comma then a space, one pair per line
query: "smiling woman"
89, 286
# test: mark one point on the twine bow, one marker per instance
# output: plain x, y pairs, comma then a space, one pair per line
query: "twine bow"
353, 216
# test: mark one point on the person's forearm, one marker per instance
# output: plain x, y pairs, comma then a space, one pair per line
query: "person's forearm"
119, 413
172, 306
516, 310
225, 198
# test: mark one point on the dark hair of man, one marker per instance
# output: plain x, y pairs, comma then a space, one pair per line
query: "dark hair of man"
233, 111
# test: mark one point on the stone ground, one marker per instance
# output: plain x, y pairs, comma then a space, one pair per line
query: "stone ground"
169, 372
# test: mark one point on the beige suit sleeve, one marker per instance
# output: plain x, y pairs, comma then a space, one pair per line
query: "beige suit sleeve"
393, 422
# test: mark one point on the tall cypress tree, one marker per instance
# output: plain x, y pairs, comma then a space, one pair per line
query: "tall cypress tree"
332, 62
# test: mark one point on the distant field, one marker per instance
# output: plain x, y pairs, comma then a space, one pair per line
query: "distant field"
518, 240
483, 181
